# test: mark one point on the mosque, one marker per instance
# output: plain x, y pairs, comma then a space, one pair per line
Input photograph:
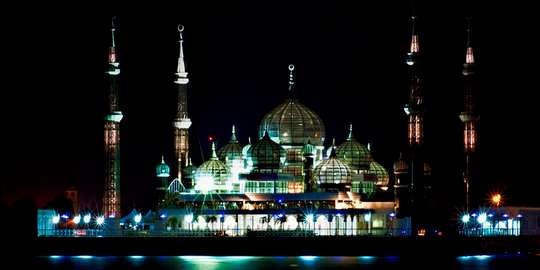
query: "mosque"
286, 181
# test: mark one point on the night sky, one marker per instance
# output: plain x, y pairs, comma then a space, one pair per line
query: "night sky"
349, 64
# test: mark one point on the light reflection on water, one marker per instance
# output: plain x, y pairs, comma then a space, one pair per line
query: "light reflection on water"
301, 262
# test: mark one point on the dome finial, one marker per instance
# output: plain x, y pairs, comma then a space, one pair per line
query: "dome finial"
414, 46
369, 147
233, 135
214, 154
291, 80
350, 137
162, 159
181, 74
249, 140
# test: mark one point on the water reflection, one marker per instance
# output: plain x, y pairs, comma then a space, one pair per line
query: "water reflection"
300, 262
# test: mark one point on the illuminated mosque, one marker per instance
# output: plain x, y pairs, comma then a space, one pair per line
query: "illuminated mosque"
285, 181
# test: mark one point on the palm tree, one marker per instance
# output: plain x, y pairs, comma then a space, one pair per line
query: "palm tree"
212, 220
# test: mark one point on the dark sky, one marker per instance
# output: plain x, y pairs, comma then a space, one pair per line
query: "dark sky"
350, 68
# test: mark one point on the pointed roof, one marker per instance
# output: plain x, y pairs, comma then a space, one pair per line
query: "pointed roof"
214, 154
469, 56
233, 135
181, 74
291, 81
114, 65
350, 137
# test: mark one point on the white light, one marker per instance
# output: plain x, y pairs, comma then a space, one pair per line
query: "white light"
309, 218
100, 220
308, 258
137, 218
367, 217
465, 218
482, 218
292, 223
86, 218
189, 218
56, 219
205, 184
77, 219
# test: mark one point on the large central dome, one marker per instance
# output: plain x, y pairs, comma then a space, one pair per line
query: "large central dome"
292, 123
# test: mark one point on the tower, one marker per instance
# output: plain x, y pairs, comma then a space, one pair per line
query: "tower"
468, 116
414, 110
181, 120
111, 196
162, 173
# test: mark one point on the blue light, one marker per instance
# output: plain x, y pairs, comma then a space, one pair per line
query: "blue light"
136, 257
280, 201
85, 257
163, 216
490, 215
519, 216
64, 216
474, 215
392, 214
505, 215
465, 218
308, 258
482, 257
55, 257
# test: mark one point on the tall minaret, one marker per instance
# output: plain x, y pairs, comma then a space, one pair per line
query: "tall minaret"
181, 120
415, 131
468, 115
111, 196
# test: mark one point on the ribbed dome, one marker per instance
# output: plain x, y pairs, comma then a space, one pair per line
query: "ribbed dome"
292, 123
163, 170
332, 171
232, 150
380, 173
266, 154
212, 175
400, 166
355, 154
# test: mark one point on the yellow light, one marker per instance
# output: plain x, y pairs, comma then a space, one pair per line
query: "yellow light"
496, 199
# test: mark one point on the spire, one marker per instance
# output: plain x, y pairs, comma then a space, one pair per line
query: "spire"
333, 147
249, 140
291, 81
350, 137
162, 159
415, 44
114, 68
233, 136
369, 147
469, 56
214, 155
181, 74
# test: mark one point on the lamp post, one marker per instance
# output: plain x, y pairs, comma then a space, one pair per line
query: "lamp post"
496, 199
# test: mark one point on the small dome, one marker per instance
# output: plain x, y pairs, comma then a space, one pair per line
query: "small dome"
382, 177
232, 150
212, 175
189, 170
309, 149
401, 166
266, 154
332, 171
163, 170
355, 154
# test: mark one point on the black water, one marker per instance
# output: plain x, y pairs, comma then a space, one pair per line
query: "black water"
496, 262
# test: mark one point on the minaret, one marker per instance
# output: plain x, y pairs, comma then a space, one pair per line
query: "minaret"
415, 132
468, 115
181, 121
111, 196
